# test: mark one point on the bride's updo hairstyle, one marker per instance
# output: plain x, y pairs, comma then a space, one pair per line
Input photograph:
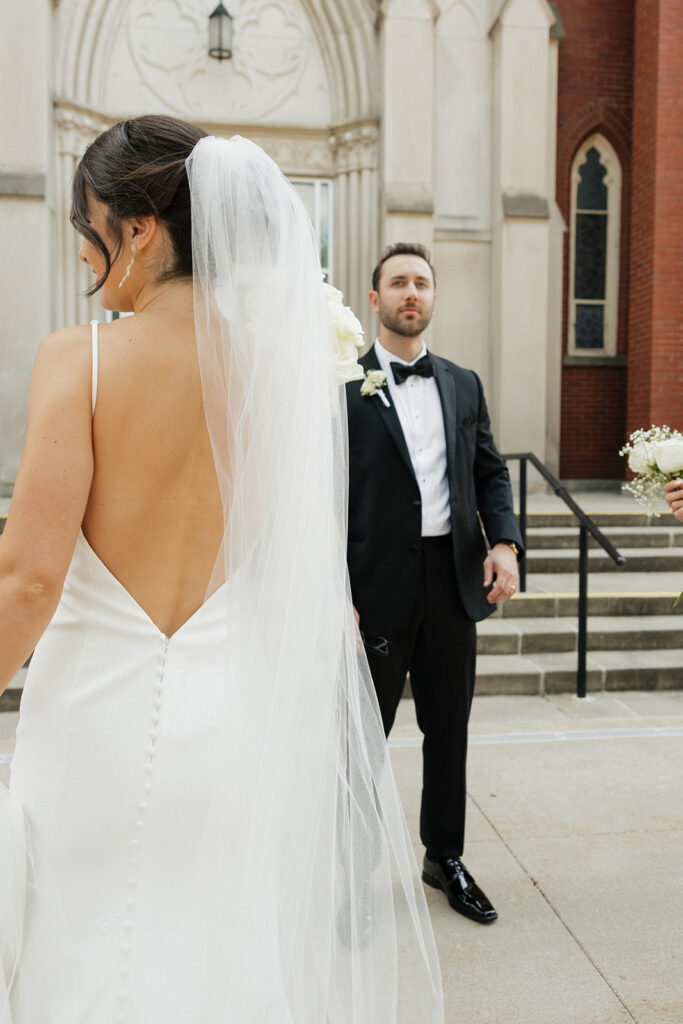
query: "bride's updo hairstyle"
137, 169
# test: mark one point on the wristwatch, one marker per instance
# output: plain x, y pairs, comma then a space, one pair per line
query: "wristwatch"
511, 544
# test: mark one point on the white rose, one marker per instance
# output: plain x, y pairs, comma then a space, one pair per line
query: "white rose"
348, 327
332, 294
640, 457
668, 455
348, 367
349, 335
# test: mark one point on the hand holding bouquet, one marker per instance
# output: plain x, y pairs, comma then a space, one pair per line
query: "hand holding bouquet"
656, 458
673, 492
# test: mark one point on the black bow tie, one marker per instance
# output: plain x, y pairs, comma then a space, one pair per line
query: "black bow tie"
423, 368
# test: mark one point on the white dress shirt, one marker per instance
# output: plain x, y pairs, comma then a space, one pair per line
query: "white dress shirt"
419, 411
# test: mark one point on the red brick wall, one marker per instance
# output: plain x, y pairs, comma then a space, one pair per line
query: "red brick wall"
595, 95
655, 385
592, 423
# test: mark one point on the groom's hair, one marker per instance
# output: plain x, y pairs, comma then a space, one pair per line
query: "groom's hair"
402, 249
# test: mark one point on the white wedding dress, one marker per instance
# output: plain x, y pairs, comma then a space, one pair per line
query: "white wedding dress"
204, 828
112, 770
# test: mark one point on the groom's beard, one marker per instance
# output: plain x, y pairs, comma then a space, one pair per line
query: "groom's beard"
407, 328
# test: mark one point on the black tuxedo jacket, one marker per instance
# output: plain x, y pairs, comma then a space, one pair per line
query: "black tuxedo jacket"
384, 499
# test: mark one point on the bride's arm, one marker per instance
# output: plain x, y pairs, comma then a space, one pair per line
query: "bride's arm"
49, 498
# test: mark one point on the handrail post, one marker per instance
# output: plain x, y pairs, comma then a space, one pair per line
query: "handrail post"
583, 611
522, 522
587, 526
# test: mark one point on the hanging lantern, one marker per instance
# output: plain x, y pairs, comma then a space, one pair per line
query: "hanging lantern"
220, 34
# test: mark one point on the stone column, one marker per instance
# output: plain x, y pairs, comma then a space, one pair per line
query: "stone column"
522, 193
407, 81
74, 130
356, 214
25, 256
556, 228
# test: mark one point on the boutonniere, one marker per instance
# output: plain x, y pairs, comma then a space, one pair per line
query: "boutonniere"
373, 382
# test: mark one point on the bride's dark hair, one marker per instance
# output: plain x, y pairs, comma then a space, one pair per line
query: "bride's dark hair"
137, 169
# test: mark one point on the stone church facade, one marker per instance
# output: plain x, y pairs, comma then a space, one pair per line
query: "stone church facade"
397, 120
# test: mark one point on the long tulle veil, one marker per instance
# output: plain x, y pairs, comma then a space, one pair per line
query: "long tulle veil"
324, 921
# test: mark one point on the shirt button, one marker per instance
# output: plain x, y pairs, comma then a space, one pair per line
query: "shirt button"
417, 501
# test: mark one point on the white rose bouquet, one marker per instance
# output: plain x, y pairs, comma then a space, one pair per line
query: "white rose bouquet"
349, 336
655, 456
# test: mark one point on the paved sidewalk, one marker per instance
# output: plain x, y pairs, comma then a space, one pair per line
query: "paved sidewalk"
575, 832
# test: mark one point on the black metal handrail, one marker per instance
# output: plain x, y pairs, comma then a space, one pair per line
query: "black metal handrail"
586, 526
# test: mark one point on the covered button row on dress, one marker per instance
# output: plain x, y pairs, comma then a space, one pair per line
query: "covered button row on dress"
141, 808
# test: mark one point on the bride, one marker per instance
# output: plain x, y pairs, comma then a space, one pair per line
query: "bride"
201, 825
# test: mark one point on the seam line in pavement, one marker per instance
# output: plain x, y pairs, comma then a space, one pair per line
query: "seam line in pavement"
486, 739
555, 911
490, 739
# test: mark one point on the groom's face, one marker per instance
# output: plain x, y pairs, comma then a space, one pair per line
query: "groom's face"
405, 296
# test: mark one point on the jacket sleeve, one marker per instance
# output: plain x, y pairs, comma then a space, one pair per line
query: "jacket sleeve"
492, 483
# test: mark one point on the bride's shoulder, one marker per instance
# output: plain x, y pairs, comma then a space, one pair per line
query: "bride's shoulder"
63, 358
68, 342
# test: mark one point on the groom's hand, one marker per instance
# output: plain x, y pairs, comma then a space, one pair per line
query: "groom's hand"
500, 567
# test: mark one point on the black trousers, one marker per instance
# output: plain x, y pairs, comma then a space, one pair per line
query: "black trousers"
438, 646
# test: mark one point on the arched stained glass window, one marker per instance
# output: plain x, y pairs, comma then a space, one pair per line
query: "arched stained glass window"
594, 249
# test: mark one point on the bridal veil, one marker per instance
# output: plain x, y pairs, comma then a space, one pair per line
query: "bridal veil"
328, 870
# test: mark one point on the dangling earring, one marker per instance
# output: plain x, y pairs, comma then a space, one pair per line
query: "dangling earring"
130, 266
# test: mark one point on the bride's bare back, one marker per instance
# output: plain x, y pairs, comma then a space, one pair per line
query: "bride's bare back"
138, 478
154, 514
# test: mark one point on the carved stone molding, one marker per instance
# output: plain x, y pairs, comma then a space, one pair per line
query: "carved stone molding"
525, 205
167, 41
355, 147
423, 9
22, 183
75, 129
297, 155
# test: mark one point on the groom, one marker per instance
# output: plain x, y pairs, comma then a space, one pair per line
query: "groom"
423, 467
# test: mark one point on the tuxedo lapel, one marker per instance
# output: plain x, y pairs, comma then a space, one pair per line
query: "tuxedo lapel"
445, 382
387, 414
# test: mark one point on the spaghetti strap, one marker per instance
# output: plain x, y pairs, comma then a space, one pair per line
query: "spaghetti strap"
94, 325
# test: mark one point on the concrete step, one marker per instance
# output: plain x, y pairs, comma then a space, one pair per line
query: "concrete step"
556, 673
656, 536
548, 635
637, 560
609, 517
612, 601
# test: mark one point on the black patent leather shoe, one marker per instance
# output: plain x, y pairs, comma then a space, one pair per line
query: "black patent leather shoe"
464, 895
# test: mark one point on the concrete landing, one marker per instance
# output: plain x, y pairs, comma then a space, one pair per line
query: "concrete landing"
575, 832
